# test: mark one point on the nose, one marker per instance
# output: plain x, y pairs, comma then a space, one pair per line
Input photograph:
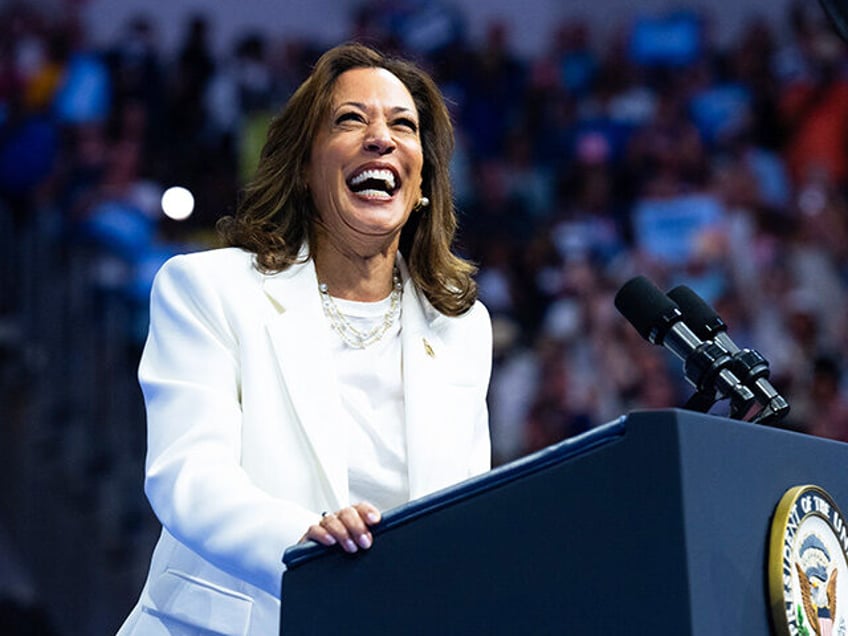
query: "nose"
378, 138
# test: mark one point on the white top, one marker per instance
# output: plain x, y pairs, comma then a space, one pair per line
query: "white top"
371, 384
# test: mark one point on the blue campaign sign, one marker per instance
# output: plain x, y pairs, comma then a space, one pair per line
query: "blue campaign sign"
668, 229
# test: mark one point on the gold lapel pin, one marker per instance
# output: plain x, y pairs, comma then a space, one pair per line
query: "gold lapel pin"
428, 349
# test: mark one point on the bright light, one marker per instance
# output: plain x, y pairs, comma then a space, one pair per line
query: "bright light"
177, 203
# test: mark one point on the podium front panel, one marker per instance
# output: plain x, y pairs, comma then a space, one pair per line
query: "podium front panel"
653, 524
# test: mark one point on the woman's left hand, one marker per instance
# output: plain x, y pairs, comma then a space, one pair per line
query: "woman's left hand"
348, 527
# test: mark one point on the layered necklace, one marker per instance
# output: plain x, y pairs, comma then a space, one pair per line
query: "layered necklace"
352, 336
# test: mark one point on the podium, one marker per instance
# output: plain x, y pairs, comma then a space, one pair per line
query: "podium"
656, 523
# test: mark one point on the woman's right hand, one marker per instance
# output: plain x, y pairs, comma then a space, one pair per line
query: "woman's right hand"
347, 527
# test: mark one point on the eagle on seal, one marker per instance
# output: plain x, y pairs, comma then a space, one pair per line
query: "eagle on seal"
819, 598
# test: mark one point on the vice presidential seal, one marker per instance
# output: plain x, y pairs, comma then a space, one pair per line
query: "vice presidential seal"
808, 565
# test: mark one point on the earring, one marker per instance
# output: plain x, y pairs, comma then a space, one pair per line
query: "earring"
423, 202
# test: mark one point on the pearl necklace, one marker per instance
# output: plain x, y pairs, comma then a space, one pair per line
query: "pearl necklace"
351, 335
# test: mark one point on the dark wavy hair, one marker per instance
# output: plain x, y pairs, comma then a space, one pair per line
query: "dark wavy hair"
275, 214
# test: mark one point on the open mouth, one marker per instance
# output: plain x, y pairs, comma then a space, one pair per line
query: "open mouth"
374, 183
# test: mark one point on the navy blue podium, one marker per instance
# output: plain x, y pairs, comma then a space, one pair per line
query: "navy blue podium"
657, 523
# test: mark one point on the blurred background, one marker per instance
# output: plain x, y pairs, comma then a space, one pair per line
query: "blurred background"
697, 144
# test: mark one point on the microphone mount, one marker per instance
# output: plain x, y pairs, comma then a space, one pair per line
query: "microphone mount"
706, 364
748, 365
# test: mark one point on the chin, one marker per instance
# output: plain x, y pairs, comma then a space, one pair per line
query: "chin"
383, 217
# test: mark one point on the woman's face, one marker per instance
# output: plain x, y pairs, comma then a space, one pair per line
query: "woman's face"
364, 170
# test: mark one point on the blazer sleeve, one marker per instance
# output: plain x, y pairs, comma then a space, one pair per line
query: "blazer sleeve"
190, 377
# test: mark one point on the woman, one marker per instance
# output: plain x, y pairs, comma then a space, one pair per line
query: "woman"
331, 363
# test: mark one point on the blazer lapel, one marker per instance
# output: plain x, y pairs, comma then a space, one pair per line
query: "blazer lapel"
300, 336
434, 452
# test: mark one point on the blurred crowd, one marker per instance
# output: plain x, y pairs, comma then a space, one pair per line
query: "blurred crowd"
653, 150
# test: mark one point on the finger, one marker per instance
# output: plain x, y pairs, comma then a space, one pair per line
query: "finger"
356, 526
334, 524
320, 535
368, 512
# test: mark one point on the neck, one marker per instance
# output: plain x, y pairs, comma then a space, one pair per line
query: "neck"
353, 276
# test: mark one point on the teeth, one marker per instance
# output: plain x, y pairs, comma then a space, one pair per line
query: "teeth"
374, 194
385, 175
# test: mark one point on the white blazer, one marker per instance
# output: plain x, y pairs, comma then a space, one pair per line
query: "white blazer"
244, 450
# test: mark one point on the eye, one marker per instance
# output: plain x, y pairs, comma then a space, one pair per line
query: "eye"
350, 116
405, 122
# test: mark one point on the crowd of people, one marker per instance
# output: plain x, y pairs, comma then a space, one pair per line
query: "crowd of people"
655, 151
724, 169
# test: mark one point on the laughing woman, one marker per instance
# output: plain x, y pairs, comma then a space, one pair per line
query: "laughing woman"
329, 364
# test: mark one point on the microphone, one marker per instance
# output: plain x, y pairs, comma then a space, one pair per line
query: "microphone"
706, 364
747, 364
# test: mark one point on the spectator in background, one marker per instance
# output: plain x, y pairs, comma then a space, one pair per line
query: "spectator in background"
814, 106
825, 407
494, 85
239, 105
29, 147
186, 110
195, 66
138, 86
554, 413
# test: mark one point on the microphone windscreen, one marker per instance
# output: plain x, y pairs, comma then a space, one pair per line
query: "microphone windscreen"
644, 306
699, 316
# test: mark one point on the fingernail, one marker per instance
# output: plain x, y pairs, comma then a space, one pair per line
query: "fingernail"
365, 541
349, 545
373, 517
331, 540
